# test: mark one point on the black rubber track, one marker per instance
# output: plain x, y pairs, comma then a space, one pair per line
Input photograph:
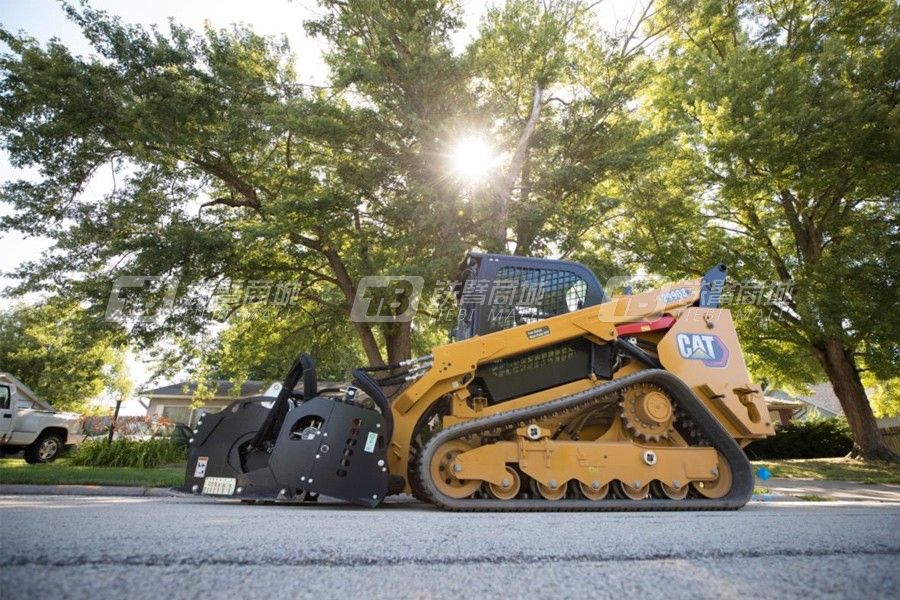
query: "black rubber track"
742, 473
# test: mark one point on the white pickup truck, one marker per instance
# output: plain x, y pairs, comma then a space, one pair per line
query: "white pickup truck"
29, 424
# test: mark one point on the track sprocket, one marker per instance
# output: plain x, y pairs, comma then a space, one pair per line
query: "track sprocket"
647, 412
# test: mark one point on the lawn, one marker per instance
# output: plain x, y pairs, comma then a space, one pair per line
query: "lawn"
61, 472
839, 469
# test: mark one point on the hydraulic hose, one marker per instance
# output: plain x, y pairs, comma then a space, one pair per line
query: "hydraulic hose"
305, 367
366, 383
636, 353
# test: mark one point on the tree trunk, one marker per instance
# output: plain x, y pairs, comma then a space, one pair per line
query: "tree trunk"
364, 330
839, 365
398, 340
527, 224
370, 345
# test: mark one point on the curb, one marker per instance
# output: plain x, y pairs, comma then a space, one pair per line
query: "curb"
774, 498
86, 490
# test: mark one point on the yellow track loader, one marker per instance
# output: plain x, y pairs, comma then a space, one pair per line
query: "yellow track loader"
562, 400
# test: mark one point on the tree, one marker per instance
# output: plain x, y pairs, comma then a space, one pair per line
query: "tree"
397, 59
557, 89
46, 346
886, 398
227, 169
782, 118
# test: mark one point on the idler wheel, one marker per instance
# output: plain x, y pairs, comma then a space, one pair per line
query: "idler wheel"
446, 474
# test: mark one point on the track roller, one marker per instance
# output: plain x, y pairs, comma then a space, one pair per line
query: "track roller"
508, 488
550, 493
595, 491
629, 491
661, 490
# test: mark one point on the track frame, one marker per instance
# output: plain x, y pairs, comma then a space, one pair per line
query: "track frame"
685, 401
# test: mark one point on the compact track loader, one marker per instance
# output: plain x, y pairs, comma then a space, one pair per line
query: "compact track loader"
568, 401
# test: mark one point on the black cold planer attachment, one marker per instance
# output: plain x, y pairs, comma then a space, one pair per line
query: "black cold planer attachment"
295, 446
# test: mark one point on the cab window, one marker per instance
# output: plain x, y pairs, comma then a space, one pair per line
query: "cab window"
522, 295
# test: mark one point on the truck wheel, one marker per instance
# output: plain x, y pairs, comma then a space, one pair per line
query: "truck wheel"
44, 449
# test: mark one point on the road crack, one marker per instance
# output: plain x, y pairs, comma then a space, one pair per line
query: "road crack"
152, 560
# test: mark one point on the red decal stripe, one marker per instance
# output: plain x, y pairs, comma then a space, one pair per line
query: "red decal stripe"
644, 326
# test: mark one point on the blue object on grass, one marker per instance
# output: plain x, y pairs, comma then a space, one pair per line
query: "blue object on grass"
763, 473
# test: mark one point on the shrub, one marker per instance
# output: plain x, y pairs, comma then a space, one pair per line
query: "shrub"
823, 438
128, 453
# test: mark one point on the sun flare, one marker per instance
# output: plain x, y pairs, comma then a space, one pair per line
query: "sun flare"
472, 159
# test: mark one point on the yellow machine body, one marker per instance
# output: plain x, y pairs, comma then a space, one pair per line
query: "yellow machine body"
615, 453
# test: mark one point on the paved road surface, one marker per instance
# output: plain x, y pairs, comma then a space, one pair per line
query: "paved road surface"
80, 547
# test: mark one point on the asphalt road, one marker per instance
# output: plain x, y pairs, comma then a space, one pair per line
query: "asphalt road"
80, 547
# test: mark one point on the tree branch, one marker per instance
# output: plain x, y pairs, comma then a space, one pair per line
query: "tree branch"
503, 191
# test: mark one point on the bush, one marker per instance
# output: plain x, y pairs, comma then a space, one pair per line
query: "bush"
823, 438
128, 453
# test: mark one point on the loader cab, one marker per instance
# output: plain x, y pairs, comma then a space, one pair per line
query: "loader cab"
497, 291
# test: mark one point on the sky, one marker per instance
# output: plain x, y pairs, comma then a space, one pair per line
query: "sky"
45, 19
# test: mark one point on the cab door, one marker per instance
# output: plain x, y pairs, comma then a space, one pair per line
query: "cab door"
6, 412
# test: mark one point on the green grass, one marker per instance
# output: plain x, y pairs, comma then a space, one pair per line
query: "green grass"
838, 469
813, 498
62, 472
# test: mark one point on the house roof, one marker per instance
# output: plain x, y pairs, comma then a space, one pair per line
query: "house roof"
824, 399
821, 397
774, 403
223, 389
888, 422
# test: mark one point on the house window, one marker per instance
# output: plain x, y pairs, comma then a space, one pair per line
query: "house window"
177, 414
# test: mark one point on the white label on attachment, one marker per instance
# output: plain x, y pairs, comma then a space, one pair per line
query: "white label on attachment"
219, 486
370, 442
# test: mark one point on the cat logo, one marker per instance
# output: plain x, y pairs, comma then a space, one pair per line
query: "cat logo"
700, 346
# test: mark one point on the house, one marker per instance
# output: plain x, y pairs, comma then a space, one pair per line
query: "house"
782, 411
176, 402
822, 401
